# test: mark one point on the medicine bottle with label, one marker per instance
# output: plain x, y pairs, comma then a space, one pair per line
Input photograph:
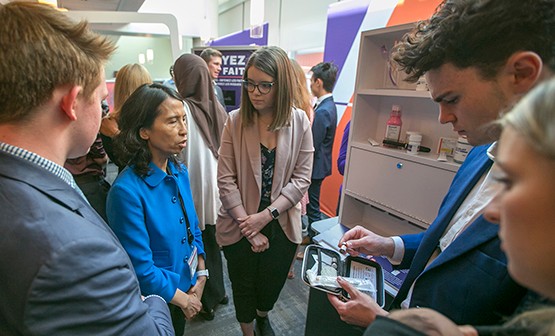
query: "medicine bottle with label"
462, 150
413, 143
393, 126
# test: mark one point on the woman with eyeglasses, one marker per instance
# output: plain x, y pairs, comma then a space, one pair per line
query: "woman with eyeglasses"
264, 169
150, 206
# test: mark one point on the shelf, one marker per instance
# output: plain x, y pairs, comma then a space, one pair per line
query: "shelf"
394, 32
429, 159
388, 190
417, 222
395, 93
375, 219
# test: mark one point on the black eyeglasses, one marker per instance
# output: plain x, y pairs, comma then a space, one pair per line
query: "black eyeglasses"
263, 87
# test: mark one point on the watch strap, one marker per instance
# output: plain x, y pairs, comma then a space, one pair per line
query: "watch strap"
203, 272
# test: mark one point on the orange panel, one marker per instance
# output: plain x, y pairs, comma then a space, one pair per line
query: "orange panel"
408, 11
309, 60
330, 187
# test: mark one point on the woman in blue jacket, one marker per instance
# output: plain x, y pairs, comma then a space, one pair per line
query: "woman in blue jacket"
150, 206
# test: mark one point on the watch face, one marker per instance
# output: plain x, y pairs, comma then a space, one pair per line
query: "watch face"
275, 213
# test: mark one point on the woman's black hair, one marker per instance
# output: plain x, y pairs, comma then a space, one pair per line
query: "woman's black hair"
139, 111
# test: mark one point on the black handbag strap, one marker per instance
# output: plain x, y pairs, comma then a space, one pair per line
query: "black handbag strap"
189, 232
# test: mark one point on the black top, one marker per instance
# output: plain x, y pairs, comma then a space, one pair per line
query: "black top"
268, 158
109, 148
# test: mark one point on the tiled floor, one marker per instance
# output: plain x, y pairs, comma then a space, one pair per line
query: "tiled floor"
287, 317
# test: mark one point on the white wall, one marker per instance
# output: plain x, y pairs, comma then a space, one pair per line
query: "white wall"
295, 25
129, 47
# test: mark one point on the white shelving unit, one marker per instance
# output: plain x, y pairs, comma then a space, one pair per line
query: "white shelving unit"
387, 190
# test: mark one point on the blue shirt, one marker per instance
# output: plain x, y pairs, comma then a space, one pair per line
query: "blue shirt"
146, 215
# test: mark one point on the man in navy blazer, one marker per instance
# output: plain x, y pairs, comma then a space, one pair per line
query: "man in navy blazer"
213, 59
62, 270
475, 69
323, 133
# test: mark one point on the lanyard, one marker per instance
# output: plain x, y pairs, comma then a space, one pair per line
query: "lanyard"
189, 233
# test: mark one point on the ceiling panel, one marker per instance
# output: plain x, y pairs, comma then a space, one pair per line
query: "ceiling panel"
101, 5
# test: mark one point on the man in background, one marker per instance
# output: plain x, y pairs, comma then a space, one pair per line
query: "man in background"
170, 82
213, 59
323, 133
62, 270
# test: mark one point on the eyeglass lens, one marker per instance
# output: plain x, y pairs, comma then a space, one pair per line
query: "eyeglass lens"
263, 87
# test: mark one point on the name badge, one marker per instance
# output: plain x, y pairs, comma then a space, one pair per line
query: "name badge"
193, 262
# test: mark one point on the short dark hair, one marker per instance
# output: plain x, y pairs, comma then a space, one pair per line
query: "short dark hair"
327, 72
479, 33
139, 111
208, 53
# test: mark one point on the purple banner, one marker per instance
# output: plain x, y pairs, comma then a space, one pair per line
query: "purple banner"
241, 38
234, 60
342, 28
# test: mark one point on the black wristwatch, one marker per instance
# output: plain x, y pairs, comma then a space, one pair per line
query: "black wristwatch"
274, 212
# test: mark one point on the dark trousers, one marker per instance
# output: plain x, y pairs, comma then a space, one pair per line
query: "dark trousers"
178, 319
95, 188
313, 206
257, 278
214, 290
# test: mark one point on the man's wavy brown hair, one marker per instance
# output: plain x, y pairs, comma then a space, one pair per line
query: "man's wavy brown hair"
479, 33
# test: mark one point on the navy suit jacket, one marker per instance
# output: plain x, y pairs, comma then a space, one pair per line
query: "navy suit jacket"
323, 133
219, 94
62, 270
468, 281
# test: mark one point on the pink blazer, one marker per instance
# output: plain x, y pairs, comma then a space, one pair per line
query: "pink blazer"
239, 174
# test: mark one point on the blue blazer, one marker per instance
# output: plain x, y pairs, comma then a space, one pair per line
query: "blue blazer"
146, 215
323, 133
468, 282
62, 270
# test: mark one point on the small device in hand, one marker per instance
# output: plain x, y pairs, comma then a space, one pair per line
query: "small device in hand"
321, 267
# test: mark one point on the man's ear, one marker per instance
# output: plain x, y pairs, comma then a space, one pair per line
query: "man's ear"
320, 82
69, 102
526, 69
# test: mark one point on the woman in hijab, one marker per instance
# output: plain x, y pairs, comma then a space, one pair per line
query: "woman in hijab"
206, 118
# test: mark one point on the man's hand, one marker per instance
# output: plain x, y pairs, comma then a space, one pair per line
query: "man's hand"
360, 240
360, 309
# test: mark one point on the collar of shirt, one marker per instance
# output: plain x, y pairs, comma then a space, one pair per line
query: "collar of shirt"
50, 166
492, 151
155, 176
321, 98
474, 204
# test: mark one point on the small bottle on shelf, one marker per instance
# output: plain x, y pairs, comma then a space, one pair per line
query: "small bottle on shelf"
413, 142
462, 150
393, 126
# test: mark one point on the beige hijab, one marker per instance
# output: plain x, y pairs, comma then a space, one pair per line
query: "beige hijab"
192, 79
